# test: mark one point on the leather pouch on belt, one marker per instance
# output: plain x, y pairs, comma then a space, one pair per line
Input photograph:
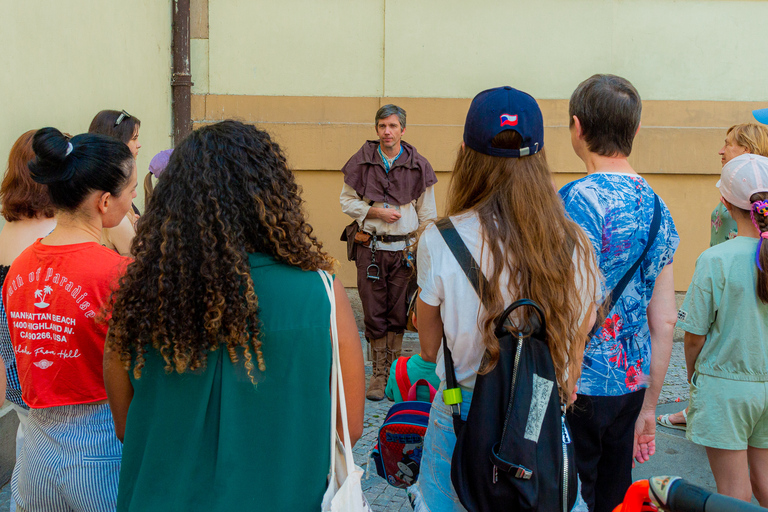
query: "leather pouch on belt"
361, 237
348, 235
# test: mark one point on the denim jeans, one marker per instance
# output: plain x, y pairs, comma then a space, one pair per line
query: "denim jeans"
433, 491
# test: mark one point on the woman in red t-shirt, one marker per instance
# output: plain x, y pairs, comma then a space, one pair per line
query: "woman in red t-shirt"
54, 295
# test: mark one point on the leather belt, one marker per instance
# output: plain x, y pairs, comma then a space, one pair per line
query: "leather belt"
386, 239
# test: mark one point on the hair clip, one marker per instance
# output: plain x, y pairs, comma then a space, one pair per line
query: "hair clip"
123, 115
761, 207
70, 148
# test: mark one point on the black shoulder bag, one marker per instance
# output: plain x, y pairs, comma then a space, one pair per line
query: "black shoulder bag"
514, 450
627, 277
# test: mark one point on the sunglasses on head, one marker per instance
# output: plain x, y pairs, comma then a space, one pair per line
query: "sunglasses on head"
123, 115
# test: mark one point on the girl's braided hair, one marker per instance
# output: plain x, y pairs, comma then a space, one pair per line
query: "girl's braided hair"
226, 192
759, 215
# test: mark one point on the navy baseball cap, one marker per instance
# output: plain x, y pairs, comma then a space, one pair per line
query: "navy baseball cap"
504, 108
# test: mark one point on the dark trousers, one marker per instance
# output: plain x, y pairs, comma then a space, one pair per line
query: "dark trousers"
383, 299
603, 430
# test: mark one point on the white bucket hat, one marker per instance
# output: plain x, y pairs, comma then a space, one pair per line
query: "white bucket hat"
743, 176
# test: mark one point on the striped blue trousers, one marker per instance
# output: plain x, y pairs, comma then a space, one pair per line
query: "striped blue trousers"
70, 461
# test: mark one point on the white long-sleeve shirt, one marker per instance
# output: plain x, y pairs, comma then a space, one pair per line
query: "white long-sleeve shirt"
412, 215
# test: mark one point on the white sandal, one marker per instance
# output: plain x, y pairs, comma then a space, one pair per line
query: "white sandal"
663, 420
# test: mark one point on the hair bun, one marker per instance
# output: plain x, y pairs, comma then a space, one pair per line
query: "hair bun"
51, 148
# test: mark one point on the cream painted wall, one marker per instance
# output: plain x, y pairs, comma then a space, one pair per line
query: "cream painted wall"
670, 49
62, 62
198, 55
296, 47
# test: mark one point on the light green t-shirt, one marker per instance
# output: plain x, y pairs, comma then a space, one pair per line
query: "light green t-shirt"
417, 368
722, 226
721, 303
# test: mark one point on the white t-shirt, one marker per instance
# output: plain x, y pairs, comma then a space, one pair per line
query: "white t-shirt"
443, 283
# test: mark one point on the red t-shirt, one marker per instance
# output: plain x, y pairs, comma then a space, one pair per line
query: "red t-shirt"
53, 296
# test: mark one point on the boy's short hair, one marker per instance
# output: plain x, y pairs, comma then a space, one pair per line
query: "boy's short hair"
608, 108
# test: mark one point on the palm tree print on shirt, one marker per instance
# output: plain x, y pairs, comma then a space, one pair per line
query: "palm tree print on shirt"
41, 294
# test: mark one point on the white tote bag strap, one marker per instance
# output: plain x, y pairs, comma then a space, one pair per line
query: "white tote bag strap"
337, 385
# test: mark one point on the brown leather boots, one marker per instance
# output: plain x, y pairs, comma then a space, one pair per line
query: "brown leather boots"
384, 352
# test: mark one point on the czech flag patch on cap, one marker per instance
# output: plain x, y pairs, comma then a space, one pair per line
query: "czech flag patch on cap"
508, 119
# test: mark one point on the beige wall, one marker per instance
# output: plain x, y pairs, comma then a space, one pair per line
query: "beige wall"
313, 74
335, 47
62, 62
671, 50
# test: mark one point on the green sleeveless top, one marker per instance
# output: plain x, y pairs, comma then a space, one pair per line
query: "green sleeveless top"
210, 440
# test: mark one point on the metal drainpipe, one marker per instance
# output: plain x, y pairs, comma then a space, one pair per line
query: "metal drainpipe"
181, 81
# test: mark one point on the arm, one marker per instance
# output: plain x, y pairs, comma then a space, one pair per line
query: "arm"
662, 315
352, 365
122, 235
583, 333
354, 206
430, 330
388, 215
425, 205
119, 390
693, 345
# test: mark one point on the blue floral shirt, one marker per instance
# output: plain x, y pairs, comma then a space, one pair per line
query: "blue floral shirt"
615, 210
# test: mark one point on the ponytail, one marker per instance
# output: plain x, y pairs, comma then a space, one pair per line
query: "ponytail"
759, 214
72, 168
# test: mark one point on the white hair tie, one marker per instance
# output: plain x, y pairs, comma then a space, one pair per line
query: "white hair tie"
69, 149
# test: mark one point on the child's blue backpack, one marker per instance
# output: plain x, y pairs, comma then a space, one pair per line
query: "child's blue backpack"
397, 453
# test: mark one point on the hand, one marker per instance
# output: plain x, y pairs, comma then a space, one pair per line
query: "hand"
574, 397
645, 436
388, 215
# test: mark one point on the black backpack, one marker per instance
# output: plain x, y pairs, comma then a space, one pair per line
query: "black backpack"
514, 451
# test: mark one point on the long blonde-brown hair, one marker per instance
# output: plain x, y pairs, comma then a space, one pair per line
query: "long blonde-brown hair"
527, 233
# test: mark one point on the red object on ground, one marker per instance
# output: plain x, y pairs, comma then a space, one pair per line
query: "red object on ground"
636, 499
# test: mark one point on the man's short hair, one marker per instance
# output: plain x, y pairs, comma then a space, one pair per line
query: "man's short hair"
608, 108
389, 110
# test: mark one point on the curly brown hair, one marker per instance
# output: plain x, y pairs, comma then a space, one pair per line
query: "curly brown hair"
227, 192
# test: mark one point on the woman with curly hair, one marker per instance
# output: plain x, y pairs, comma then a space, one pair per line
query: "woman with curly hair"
54, 294
219, 353
505, 209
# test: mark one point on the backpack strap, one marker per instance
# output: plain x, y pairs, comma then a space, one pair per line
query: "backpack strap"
626, 278
459, 249
401, 376
415, 387
452, 393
